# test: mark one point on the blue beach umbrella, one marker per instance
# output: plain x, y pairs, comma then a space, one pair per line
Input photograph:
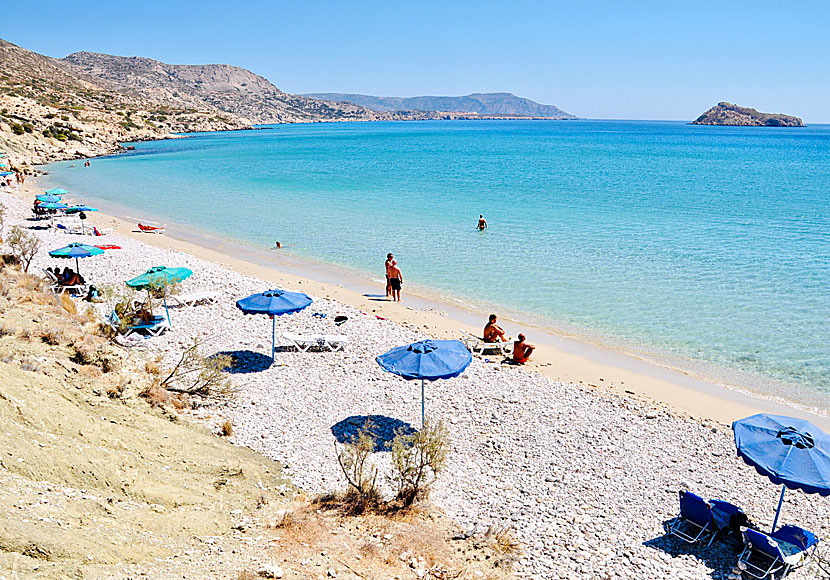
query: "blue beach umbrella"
792, 453
5, 173
76, 251
79, 209
53, 205
48, 198
158, 276
57, 191
427, 360
274, 303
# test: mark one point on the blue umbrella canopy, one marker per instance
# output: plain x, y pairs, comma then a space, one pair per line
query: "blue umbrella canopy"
428, 360
274, 303
5, 173
76, 251
791, 452
49, 198
159, 276
57, 191
52, 205
79, 208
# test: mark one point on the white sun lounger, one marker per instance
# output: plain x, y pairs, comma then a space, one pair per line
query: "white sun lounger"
193, 298
303, 342
477, 345
58, 288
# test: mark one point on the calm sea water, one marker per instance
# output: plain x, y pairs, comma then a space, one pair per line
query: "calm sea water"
709, 245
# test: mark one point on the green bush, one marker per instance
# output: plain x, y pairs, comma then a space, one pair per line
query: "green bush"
18, 129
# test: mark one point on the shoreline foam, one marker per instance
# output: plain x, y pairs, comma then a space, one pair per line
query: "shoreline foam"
558, 356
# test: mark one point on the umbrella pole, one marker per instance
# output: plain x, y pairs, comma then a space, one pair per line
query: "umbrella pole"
778, 511
77, 267
273, 336
422, 403
166, 309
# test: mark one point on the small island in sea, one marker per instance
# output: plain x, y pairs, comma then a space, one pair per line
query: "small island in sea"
729, 114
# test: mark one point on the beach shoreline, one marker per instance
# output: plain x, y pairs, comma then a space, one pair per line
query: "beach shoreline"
558, 356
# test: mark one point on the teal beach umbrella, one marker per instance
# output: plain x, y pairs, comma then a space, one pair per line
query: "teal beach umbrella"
160, 276
57, 191
48, 198
76, 251
79, 209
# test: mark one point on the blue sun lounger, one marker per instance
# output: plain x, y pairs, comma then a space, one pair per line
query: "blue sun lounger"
154, 328
694, 524
701, 520
786, 548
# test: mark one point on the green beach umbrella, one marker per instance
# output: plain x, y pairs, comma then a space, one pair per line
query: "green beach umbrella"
160, 276
76, 251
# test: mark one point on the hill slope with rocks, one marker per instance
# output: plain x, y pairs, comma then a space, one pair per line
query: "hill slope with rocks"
729, 114
48, 113
480, 104
220, 86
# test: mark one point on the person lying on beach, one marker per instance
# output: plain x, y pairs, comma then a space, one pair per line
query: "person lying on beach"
492, 331
522, 350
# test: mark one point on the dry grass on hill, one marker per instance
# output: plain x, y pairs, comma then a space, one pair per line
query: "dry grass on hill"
95, 482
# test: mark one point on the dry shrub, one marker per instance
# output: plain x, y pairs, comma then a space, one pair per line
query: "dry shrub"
6, 330
285, 520
30, 364
153, 367
155, 394
180, 402
247, 575
90, 372
68, 304
226, 429
52, 336
26, 334
506, 547
7, 358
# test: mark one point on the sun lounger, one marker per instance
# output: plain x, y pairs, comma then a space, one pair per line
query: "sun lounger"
303, 342
96, 231
781, 551
477, 345
194, 298
154, 328
151, 229
70, 229
694, 524
58, 287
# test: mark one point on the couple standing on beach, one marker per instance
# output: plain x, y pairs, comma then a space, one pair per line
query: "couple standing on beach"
394, 278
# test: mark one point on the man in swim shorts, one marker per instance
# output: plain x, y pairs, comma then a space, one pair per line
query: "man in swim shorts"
389, 258
522, 350
492, 331
395, 281
482, 223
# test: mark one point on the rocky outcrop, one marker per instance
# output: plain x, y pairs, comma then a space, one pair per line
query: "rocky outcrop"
729, 114
479, 104
48, 114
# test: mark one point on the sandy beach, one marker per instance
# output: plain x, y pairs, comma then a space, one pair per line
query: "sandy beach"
581, 453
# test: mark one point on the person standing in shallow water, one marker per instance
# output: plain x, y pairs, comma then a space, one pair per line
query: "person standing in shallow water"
396, 281
482, 223
390, 257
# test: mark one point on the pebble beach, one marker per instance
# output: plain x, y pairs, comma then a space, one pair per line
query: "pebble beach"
585, 477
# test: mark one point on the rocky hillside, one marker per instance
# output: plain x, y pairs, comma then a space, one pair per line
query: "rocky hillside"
47, 113
479, 104
729, 114
219, 86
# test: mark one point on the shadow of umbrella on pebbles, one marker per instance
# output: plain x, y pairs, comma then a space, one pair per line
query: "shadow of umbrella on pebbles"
247, 361
381, 428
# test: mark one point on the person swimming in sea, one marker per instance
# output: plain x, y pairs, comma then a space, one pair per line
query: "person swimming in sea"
482, 223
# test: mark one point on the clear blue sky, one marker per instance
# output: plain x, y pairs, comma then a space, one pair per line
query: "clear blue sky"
601, 59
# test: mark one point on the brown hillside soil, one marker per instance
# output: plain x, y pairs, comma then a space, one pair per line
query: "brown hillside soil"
95, 482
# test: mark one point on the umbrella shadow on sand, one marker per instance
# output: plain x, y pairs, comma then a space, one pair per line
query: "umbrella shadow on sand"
382, 429
247, 361
720, 557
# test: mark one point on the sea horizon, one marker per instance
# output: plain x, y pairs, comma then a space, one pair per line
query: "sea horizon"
591, 260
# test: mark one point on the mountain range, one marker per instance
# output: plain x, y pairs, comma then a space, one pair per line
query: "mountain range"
87, 103
481, 104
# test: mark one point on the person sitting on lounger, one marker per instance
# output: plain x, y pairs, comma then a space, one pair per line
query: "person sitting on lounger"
492, 331
522, 350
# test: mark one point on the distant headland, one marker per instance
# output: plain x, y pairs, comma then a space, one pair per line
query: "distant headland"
729, 114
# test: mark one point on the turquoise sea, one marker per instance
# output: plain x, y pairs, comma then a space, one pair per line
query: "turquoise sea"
705, 247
